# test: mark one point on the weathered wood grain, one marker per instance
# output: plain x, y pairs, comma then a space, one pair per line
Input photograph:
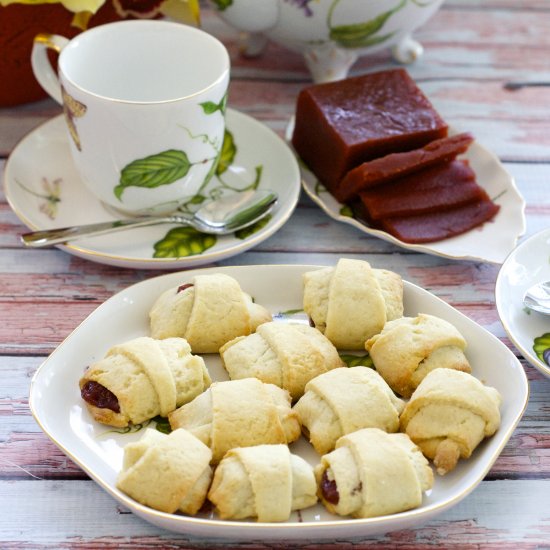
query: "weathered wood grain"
27, 453
512, 123
479, 521
472, 49
531, 180
39, 326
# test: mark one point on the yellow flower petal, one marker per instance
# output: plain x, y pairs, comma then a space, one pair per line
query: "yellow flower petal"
186, 11
77, 6
81, 20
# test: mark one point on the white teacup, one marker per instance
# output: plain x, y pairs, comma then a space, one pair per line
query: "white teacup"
144, 103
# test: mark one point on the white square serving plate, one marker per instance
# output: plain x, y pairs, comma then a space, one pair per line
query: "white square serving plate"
58, 408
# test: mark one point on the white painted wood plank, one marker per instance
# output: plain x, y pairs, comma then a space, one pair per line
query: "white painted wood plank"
52, 513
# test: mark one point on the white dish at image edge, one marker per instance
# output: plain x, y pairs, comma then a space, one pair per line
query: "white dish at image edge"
528, 264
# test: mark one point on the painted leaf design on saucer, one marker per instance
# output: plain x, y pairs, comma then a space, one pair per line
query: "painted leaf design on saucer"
251, 229
153, 171
72, 108
183, 241
49, 199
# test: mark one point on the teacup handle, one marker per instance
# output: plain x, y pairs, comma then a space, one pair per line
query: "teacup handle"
41, 66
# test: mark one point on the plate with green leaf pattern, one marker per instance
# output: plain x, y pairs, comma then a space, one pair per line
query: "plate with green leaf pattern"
45, 191
527, 264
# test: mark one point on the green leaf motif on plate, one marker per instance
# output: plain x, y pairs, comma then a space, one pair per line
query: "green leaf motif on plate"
346, 211
130, 429
227, 154
290, 312
357, 360
292, 316
541, 346
251, 229
153, 171
183, 241
162, 424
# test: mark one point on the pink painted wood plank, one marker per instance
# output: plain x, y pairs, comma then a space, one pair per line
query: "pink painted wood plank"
26, 452
25, 455
38, 326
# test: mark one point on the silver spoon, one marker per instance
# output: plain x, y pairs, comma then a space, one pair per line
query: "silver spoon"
537, 298
220, 216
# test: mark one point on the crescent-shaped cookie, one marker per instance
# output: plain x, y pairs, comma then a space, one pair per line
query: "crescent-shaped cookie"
142, 378
343, 401
409, 348
167, 472
372, 473
288, 355
207, 312
266, 482
449, 414
239, 413
351, 302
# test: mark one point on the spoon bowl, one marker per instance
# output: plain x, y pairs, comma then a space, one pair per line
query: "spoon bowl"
537, 297
219, 217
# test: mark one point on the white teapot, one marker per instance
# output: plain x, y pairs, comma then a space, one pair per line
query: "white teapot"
331, 34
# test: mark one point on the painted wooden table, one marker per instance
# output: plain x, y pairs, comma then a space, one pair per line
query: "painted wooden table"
472, 49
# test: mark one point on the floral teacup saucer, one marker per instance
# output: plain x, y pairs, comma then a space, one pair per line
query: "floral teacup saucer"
44, 189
